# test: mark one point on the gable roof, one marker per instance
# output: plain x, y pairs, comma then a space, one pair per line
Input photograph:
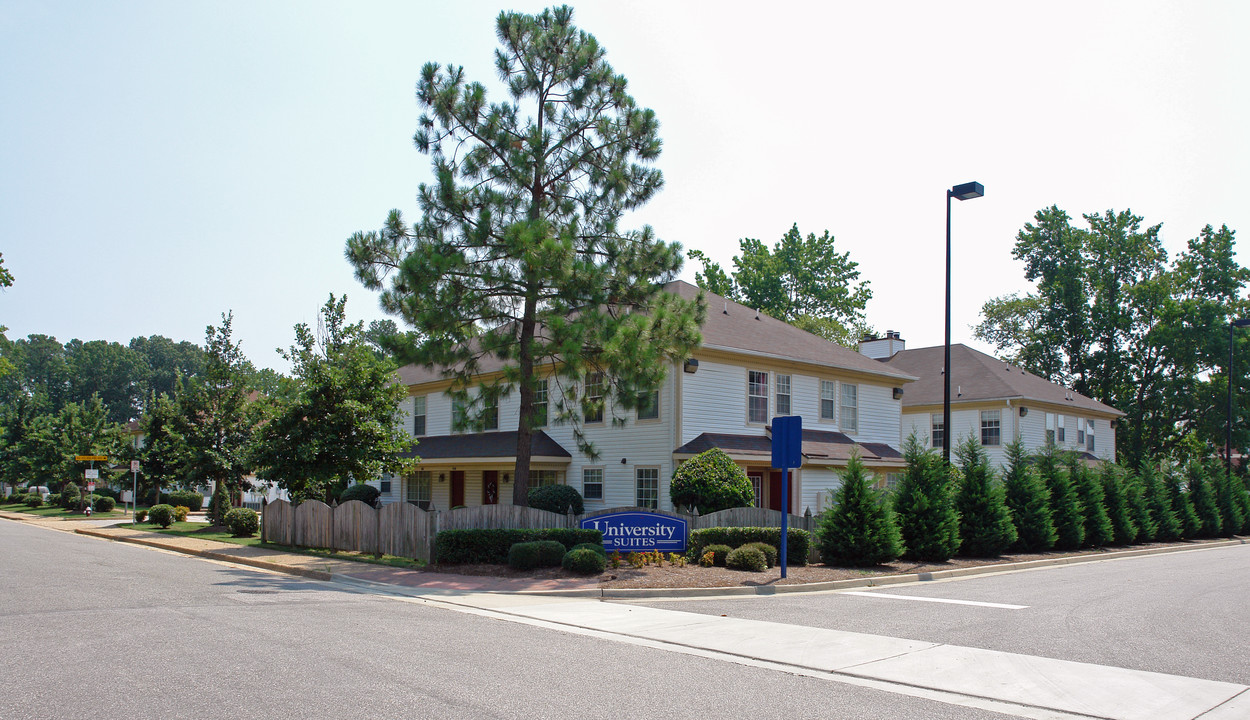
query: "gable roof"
818, 446
735, 328
978, 377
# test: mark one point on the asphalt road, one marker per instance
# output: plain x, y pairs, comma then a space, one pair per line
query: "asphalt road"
90, 628
1181, 613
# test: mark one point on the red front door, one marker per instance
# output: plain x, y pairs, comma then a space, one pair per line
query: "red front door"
490, 487
457, 488
774, 489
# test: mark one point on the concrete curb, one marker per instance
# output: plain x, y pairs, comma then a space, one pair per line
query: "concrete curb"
644, 593
214, 555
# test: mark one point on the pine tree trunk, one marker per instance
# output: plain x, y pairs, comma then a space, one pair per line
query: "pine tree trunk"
525, 432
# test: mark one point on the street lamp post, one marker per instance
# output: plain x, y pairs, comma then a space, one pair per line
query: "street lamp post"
1228, 438
966, 191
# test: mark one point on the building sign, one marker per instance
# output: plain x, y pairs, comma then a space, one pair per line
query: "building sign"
628, 532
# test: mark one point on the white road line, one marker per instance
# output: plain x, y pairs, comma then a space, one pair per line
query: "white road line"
1000, 606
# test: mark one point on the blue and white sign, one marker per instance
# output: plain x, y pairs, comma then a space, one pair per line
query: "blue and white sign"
640, 532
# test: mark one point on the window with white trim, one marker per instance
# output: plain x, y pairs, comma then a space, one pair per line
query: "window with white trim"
540, 403
490, 415
1080, 431
538, 478
649, 405
417, 490
991, 427
1050, 428
1060, 431
937, 430
647, 487
757, 396
418, 416
1089, 436
828, 400
783, 394
850, 407
757, 487
594, 397
592, 483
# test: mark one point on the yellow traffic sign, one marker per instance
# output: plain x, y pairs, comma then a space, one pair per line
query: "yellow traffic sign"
89, 458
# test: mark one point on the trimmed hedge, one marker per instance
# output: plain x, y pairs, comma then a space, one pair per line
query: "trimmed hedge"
746, 558
590, 546
104, 503
798, 541
162, 515
583, 560
455, 547
366, 494
242, 522
189, 499
719, 553
140, 516
535, 554
771, 555
557, 499
181, 512
34, 500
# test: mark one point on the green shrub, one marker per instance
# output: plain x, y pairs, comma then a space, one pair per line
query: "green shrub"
53, 500
454, 547
181, 512
1228, 491
1098, 529
242, 522
1029, 502
798, 541
859, 530
1116, 500
710, 481
985, 528
550, 553
140, 516
162, 515
1202, 495
719, 553
190, 499
1139, 508
1182, 506
71, 495
34, 500
584, 560
590, 546
924, 504
218, 504
366, 494
557, 499
523, 556
1065, 506
746, 558
16, 498
104, 503
769, 551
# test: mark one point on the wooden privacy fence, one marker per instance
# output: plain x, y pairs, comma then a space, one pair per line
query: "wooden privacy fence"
405, 530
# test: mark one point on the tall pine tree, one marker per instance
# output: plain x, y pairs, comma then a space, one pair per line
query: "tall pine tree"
1202, 495
1065, 506
519, 262
1182, 504
1115, 497
859, 530
1098, 529
1139, 508
924, 503
984, 520
1159, 501
1028, 500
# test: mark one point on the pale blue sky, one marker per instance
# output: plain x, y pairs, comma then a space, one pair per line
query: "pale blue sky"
163, 162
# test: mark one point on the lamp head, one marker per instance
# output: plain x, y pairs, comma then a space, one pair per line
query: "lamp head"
967, 191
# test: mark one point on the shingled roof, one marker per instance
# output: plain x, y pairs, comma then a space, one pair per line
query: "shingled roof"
818, 446
977, 377
737, 328
484, 445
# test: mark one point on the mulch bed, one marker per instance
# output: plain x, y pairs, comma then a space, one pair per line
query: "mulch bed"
693, 576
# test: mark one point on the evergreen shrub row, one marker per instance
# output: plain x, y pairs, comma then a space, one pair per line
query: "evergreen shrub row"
798, 540
455, 547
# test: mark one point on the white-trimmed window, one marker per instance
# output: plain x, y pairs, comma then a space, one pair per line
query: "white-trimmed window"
649, 405
828, 400
538, 478
594, 397
1089, 436
1060, 432
850, 407
783, 395
991, 427
647, 487
592, 483
417, 490
757, 396
757, 487
1080, 431
418, 416
1050, 428
540, 403
937, 430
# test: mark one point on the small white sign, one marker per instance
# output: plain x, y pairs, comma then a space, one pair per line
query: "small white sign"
90, 487
127, 496
134, 466
92, 474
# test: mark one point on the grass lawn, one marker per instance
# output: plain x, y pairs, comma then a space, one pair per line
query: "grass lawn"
208, 532
48, 511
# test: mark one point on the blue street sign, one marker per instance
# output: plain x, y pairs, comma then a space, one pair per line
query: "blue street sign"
787, 442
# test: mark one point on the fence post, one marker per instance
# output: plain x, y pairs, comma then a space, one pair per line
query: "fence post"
431, 532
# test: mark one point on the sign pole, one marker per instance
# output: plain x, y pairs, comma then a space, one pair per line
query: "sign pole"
134, 493
785, 518
787, 449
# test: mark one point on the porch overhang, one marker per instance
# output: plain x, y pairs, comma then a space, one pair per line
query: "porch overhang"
493, 448
820, 448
